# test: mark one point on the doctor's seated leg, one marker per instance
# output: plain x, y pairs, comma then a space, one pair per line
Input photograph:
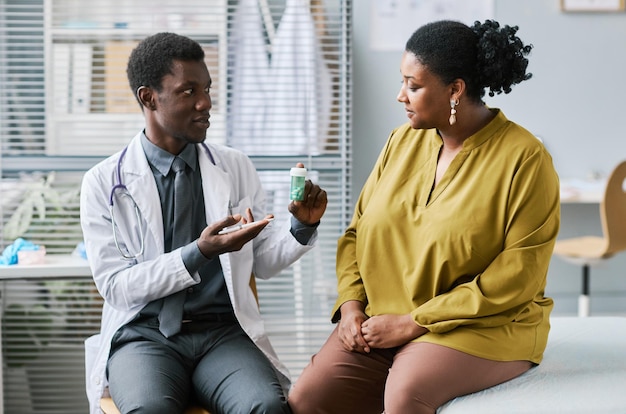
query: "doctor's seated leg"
237, 378
146, 376
234, 377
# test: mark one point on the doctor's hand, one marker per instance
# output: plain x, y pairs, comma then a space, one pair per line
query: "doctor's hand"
312, 208
212, 244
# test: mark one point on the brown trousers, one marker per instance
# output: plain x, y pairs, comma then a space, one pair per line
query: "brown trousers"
415, 378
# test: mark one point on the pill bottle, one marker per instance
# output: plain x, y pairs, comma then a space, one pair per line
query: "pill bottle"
298, 177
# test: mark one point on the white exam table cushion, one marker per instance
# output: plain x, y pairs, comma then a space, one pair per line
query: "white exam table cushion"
583, 371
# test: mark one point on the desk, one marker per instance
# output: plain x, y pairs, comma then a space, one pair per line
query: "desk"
55, 266
582, 191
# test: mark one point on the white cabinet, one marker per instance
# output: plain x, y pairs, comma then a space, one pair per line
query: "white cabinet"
89, 105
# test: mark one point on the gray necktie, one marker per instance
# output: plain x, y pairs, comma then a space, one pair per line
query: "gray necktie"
171, 313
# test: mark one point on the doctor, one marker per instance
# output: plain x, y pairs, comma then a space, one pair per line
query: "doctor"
220, 356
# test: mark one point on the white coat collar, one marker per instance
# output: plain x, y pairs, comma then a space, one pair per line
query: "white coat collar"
138, 178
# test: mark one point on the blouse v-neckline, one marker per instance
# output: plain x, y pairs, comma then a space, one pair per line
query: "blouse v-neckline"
457, 162
448, 175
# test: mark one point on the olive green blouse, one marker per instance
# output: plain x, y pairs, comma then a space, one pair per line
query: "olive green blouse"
468, 259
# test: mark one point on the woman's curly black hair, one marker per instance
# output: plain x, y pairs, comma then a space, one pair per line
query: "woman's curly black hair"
152, 59
485, 55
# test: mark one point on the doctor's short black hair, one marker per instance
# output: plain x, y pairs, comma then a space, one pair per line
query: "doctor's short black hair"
485, 55
152, 59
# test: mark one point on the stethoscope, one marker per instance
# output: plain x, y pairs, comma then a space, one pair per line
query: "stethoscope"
123, 191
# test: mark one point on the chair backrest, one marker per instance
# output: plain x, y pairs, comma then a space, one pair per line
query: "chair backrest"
613, 210
254, 289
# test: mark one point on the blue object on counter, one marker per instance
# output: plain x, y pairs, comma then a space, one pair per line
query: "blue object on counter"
80, 250
9, 255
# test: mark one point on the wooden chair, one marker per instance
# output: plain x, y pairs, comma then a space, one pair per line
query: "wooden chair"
589, 250
108, 406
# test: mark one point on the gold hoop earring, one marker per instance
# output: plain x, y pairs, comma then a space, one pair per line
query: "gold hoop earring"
453, 103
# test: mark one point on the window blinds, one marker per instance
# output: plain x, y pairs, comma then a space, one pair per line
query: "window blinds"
22, 113
282, 94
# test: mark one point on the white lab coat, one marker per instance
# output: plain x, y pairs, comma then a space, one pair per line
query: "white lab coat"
283, 107
250, 71
299, 103
128, 286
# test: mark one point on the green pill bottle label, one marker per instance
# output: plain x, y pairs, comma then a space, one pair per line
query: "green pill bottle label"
298, 177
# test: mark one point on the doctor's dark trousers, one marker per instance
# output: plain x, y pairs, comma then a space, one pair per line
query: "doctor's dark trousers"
211, 363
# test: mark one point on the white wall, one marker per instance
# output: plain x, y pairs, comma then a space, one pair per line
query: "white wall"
576, 102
